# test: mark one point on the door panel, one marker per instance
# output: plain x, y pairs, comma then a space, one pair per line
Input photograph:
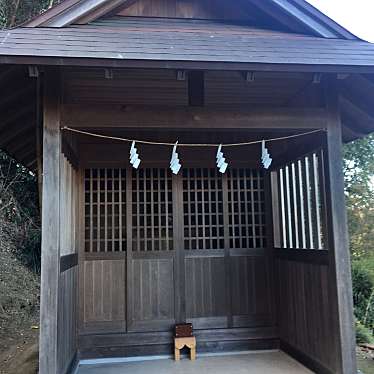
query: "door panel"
250, 290
151, 263
104, 295
206, 305
152, 295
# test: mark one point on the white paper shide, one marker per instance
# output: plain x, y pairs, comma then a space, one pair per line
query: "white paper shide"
266, 159
174, 162
134, 156
221, 161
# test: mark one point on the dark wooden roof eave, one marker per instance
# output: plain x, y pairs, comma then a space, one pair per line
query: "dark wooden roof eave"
179, 64
160, 43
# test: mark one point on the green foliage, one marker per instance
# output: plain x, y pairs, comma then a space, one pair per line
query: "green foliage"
15, 12
363, 298
359, 188
363, 334
359, 179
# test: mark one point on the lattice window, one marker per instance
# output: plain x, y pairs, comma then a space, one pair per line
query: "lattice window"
246, 198
301, 203
105, 208
203, 209
152, 210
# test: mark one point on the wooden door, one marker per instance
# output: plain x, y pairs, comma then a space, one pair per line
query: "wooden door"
226, 261
162, 249
151, 255
207, 302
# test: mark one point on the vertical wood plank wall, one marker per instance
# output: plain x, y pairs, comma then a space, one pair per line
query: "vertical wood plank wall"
69, 241
306, 325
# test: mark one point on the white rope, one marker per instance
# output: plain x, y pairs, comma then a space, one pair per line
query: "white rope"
66, 128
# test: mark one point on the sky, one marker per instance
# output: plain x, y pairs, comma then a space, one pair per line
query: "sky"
355, 15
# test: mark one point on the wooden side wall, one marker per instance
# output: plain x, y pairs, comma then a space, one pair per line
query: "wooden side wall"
306, 321
303, 271
308, 282
67, 293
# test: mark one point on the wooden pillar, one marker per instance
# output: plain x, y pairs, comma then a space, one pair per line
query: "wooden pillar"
50, 265
337, 236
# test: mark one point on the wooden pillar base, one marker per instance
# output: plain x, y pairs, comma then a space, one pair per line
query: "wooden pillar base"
189, 342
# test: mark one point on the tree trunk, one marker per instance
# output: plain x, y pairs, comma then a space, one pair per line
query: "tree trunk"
14, 15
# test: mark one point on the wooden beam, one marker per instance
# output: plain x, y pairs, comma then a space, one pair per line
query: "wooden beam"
84, 116
29, 161
6, 73
23, 149
50, 13
337, 236
16, 116
50, 268
196, 88
110, 7
9, 135
187, 65
39, 141
83, 10
294, 17
69, 153
310, 256
361, 120
359, 90
16, 95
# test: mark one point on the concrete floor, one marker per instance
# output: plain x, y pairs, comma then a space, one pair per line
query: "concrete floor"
270, 362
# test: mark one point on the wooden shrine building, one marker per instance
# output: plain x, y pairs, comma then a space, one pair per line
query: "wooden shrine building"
255, 258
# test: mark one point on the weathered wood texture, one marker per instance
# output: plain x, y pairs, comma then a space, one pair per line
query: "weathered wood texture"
205, 9
313, 276
341, 281
99, 116
69, 244
58, 317
67, 319
103, 299
305, 313
161, 87
151, 343
50, 267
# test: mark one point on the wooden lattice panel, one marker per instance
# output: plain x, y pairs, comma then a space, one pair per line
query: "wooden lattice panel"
203, 209
301, 202
152, 210
105, 210
246, 206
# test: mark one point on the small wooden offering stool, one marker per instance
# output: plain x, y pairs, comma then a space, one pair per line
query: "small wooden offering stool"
183, 337
189, 342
